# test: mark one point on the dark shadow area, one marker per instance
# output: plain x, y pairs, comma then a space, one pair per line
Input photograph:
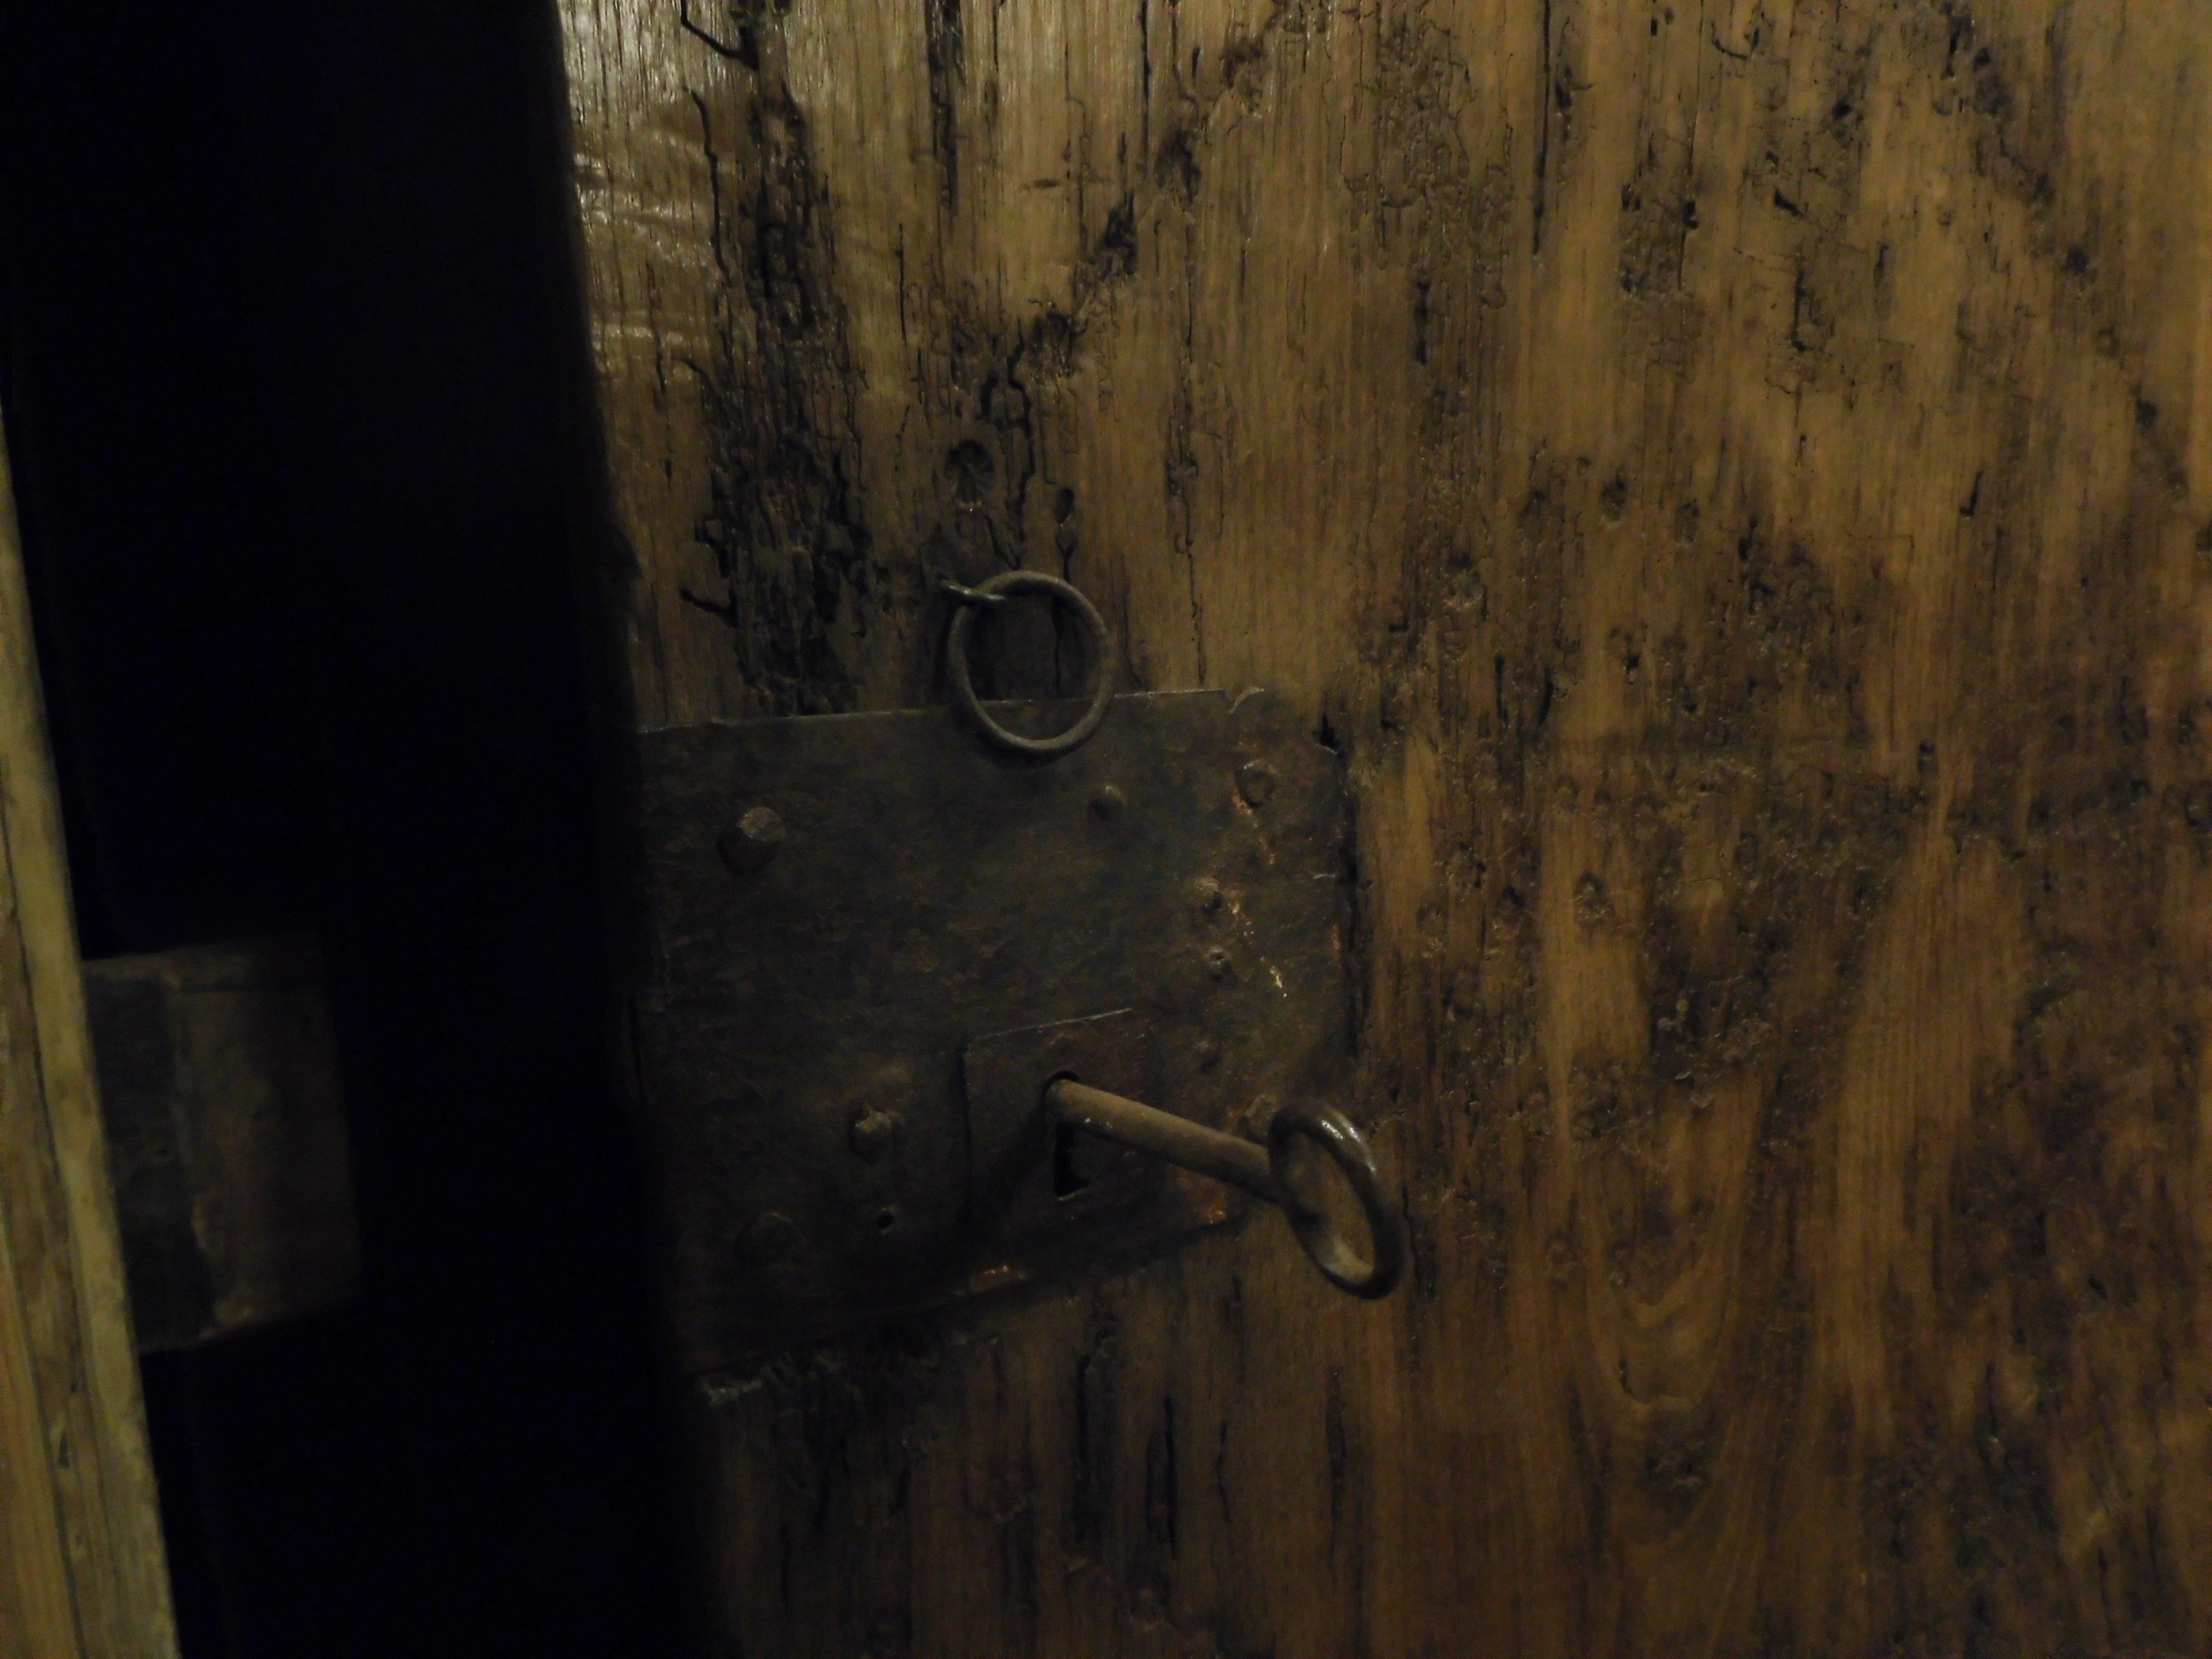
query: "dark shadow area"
292, 368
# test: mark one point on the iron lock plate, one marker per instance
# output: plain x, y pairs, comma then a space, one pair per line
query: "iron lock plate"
846, 1001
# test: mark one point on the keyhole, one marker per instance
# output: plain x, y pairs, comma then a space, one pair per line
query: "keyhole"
1066, 1179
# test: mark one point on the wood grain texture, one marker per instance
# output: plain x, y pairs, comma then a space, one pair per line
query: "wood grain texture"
81, 1568
1736, 478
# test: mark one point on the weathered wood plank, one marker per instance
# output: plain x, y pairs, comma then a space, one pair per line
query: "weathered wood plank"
81, 1568
1736, 478
219, 1089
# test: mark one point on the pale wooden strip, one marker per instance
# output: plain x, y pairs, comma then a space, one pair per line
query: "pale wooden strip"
84, 1571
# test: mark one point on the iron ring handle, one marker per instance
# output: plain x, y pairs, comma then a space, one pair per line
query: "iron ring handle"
1316, 1233
959, 636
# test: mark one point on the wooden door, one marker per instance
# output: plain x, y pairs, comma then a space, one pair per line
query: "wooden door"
1736, 480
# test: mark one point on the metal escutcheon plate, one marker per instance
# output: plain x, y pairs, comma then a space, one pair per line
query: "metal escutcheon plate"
813, 983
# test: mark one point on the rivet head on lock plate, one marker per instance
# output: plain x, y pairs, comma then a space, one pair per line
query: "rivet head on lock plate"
872, 1133
756, 837
769, 1239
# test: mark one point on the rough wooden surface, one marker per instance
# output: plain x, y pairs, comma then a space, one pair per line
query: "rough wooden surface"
218, 1077
82, 1569
1737, 478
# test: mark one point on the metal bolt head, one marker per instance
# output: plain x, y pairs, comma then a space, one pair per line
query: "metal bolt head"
872, 1133
1109, 801
1256, 782
1205, 893
769, 1239
756, 837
